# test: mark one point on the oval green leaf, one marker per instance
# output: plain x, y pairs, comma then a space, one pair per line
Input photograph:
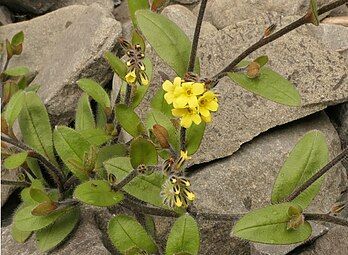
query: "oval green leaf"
269, 225
128, 119
117, 65
108, 152
17, 71
17, 38
168, 40
71, 146
35, 126
19, 235
159, 103
127, 234
14, 107
308, 156
144, 187
142, 151
135, 5
39, 195
95, 136
194, 136
184, 237
98, 193
84, 118
54, 234
95, 91
269, 85
15, 160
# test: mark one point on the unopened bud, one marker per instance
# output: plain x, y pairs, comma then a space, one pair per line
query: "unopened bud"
161, 135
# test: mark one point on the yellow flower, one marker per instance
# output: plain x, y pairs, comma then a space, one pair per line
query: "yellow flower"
187, 94
187, 115
183, 154
144, 79
208, 102
170, 88
131, 77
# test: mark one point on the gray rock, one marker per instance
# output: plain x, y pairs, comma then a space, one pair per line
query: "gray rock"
107, 4
6, 190
5, 16
85, 240
64, 46
187, 1
32, 6
224, 185
335, 242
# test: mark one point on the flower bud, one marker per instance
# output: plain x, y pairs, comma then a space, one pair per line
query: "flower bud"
161, 135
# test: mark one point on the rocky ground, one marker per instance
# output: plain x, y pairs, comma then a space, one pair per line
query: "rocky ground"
250, 137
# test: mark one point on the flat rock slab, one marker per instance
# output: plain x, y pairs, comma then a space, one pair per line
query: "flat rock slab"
107, 4
224, 186
32, 6
64, 46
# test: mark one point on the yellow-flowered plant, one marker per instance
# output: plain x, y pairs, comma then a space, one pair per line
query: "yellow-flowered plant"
192, 102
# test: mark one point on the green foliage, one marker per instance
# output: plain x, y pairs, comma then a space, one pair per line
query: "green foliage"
35, 126
134, 6
98, 193
142, 151
159, 103
269, 225
17, 71
95, 136
38, 195
117, 65
15, 160
308, 156
71, 147
54, 234
184, 237
269, 85
108, 152
314, 13
137, 38
168, 40
129, 237
194, 136
19, 235
84, 118
129, 120
14, 107
95, 91
17, 39
144, 187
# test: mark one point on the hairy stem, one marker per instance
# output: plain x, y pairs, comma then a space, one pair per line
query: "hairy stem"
326, 218
15, 183
125, 180
53, 171
196, 36
183, 139
265, 40
317, 175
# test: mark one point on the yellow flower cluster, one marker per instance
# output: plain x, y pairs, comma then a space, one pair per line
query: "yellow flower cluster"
191, 101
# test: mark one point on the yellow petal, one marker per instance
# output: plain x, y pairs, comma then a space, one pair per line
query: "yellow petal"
198, 88
186, 121
213, 106
196, 119
179, 112
169, 97
204, 112
192, 101
177, 81
180, 102
168, 86
206, 119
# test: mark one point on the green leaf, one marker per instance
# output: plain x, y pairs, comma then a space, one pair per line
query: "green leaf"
184, 237
157, 117
128, 119
135, 5
262, 60
159, 103
142, 151
14, 107
17, 38
137, 38
39, 195
35, 126
34, 167
100, 117
15, 160
308, 156
108, 152
95, 91
269, 85
25, 193
314, 12
19, 235
167, 39
98, 193
55, 233
269, 225
194, 136
144, 187
71, 146
117, 65
141, 90
17, 71
84, 118
126, 234
25, 221
95, 136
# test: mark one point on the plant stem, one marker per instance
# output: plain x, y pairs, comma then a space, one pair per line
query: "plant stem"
15, 183
127, 98
125, 180
196, 36
52, 169
326, 218
183, 139
317, 175
265, 40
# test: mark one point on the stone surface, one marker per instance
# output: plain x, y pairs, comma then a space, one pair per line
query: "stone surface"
32, 6
5, 16
6, 190
335, 242
64, 46
86, 239
222, 13
224, 185
187, 1
318, 73
107, 4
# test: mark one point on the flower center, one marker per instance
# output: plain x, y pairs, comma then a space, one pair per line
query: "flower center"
189, 92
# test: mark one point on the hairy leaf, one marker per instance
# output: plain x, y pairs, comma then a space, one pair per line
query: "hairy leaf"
135, 5
14, 107
128, 119
17, 71
95, 136
95, 91
142, 151
19, 235
194, 136
117, 65
84, 118
15, 160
